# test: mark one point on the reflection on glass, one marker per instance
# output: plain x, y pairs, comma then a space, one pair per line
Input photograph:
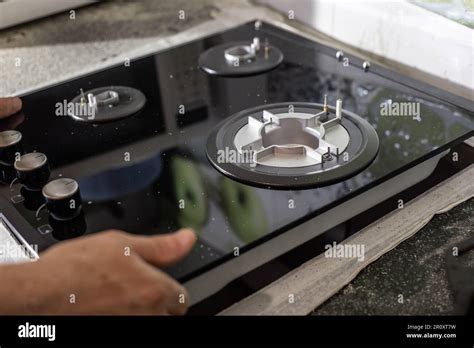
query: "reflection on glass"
244, 210
189, 192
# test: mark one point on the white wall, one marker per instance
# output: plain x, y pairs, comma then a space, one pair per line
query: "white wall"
13, 12
394, 29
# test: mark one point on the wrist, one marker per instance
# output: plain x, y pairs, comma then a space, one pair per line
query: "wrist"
22, 288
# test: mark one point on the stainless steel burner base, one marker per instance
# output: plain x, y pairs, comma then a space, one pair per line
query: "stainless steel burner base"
292, 145
105, 104
239, 59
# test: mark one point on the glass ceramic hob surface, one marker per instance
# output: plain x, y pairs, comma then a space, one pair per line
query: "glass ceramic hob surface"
148, 173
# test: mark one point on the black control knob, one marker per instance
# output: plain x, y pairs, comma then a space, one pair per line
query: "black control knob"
67, 229
32, 199
10, 146
7, 173
63, 198
32, 170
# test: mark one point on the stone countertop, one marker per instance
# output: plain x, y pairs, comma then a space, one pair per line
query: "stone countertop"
415, 269
54, 48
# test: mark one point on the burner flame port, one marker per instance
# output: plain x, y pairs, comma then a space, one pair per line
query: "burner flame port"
293, 139
241, 53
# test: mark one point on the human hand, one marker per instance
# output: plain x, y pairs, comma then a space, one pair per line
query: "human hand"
9, 106
112, 272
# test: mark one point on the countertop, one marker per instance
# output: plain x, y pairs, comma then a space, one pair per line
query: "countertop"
415, 269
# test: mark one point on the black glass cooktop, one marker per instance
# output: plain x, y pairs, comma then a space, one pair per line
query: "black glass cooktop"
148, 173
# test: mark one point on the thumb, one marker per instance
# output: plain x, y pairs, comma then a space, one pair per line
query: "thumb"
164, 250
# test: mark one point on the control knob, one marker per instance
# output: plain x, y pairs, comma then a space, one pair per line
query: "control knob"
10, 146
63, 198
32, 170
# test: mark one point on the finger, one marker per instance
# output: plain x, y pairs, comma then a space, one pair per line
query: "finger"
164, 250
171, 297
9, 106
178, 303
176, 298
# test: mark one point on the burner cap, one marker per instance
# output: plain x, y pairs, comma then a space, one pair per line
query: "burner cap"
237, 59
292, 145
106, 104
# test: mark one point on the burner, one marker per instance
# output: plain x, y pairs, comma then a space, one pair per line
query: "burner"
292, 145
106, 104
238, 59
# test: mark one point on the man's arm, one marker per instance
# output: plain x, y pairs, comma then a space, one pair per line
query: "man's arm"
107, 273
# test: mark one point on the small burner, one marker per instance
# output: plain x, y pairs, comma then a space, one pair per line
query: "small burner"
106, 104
293, 145
238, 59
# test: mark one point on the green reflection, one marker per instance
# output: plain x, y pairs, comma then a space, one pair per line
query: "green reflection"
190, 193
243, 209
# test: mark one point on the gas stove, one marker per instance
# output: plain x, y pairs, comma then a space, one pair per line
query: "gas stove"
259, 139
